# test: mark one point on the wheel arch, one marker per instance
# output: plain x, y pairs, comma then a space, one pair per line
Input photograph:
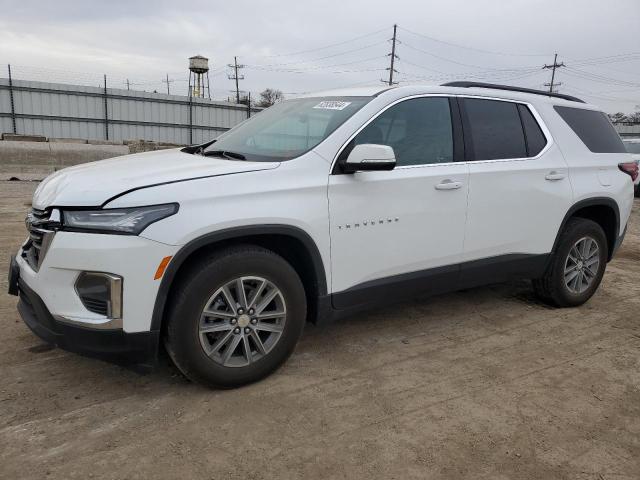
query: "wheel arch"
292, 243
602, 210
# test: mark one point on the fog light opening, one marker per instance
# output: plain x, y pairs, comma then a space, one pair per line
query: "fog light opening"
101, 293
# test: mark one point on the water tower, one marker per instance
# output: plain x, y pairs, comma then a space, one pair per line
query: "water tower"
198, 70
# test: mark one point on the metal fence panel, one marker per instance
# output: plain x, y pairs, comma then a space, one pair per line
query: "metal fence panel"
76, 111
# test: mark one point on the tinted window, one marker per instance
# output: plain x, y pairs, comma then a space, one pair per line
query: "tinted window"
593, 128
419, 130
496, 130
532, 132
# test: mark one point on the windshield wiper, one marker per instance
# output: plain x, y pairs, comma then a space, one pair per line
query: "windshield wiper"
194, 149
225, 154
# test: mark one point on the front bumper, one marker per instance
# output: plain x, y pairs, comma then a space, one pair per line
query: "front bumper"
116, 346
52, 309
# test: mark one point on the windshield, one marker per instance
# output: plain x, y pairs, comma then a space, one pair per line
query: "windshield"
632, 147
287, 129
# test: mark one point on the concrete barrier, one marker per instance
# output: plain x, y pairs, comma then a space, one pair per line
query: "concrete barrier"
25, 160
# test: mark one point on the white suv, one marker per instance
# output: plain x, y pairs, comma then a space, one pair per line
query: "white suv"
315, 208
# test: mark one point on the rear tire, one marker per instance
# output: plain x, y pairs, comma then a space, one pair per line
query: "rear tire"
223, 328
577, 265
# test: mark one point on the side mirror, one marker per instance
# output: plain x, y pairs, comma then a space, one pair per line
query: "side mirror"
369, 157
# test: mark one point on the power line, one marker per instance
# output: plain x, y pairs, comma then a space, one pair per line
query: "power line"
553, 68
323, 58
317, 67
473, 48
461, 76
445, 59
607, 98
621, 57
594, 77
326, 46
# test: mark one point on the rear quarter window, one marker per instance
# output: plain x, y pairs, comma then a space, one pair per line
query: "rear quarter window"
593, 128
536, 140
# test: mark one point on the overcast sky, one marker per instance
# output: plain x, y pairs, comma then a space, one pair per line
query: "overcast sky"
494, 41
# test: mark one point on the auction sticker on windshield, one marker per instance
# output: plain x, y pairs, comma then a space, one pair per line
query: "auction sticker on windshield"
332, 105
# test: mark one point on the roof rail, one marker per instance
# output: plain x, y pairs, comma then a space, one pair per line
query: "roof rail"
511, 89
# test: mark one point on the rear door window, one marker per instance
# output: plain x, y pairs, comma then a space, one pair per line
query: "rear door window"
593, 128
494, 129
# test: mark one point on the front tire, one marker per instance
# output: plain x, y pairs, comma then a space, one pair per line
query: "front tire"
235, 317
577, 266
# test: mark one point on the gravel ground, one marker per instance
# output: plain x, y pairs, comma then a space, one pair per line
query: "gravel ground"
485, 383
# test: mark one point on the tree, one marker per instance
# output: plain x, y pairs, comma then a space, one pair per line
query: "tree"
270, 96
634, 117
617, 117
246, 100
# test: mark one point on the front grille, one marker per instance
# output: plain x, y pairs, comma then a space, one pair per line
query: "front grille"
35, 248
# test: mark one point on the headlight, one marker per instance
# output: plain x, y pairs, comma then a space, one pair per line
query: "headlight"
117, 220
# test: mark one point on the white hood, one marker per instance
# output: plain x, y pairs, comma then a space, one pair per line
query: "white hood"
92, 184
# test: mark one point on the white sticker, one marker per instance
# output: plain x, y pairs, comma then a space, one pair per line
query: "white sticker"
332, 105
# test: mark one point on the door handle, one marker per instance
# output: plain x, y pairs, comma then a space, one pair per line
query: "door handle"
448, 185
554, 176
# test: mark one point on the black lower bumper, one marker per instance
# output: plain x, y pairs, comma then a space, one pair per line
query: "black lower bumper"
137, 350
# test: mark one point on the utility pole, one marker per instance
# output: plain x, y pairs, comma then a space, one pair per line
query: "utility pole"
106, 110
167, 81
393, 56
235, 76
127, 84
553, 67
11, 101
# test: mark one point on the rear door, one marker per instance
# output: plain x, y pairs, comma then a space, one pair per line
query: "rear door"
519, 189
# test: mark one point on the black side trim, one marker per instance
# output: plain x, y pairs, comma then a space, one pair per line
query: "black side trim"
502, 269
590, 202
456, 125
398, 287
138, 350
228, 234
511, 88
524, 130
469, 150
441, 280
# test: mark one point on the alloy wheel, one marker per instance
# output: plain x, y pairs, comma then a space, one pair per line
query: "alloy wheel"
582, 264
242, 321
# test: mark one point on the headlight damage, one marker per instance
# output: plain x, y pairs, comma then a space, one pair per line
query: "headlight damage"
117, 220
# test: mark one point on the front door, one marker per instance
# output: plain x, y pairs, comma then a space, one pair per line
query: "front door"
401, 231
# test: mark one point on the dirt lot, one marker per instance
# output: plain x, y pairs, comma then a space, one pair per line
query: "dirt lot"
485, 383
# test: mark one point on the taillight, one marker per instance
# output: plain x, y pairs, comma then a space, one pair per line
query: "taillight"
630, 168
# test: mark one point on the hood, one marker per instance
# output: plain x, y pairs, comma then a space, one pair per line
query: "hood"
92, 184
